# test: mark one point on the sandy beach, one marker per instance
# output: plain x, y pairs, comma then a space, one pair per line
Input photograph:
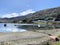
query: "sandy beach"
27, 37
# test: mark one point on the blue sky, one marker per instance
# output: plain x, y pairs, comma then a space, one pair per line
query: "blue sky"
13, 8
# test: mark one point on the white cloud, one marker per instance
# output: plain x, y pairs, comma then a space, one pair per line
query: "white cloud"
18, 14
27, 12
10, 15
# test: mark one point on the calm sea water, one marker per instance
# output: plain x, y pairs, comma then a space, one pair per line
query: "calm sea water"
10, 28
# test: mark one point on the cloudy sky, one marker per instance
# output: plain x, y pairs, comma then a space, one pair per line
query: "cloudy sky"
13, 8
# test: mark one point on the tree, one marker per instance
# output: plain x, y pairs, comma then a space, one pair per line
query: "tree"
24, 21
15, 21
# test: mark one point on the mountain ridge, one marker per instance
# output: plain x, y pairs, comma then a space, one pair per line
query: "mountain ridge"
42, 14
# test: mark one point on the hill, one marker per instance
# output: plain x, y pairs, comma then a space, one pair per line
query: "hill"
39, 15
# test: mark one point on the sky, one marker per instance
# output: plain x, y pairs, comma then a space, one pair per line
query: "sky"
13, 8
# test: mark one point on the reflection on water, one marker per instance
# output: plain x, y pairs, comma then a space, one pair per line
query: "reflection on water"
23, 27
38, 27
10, 28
